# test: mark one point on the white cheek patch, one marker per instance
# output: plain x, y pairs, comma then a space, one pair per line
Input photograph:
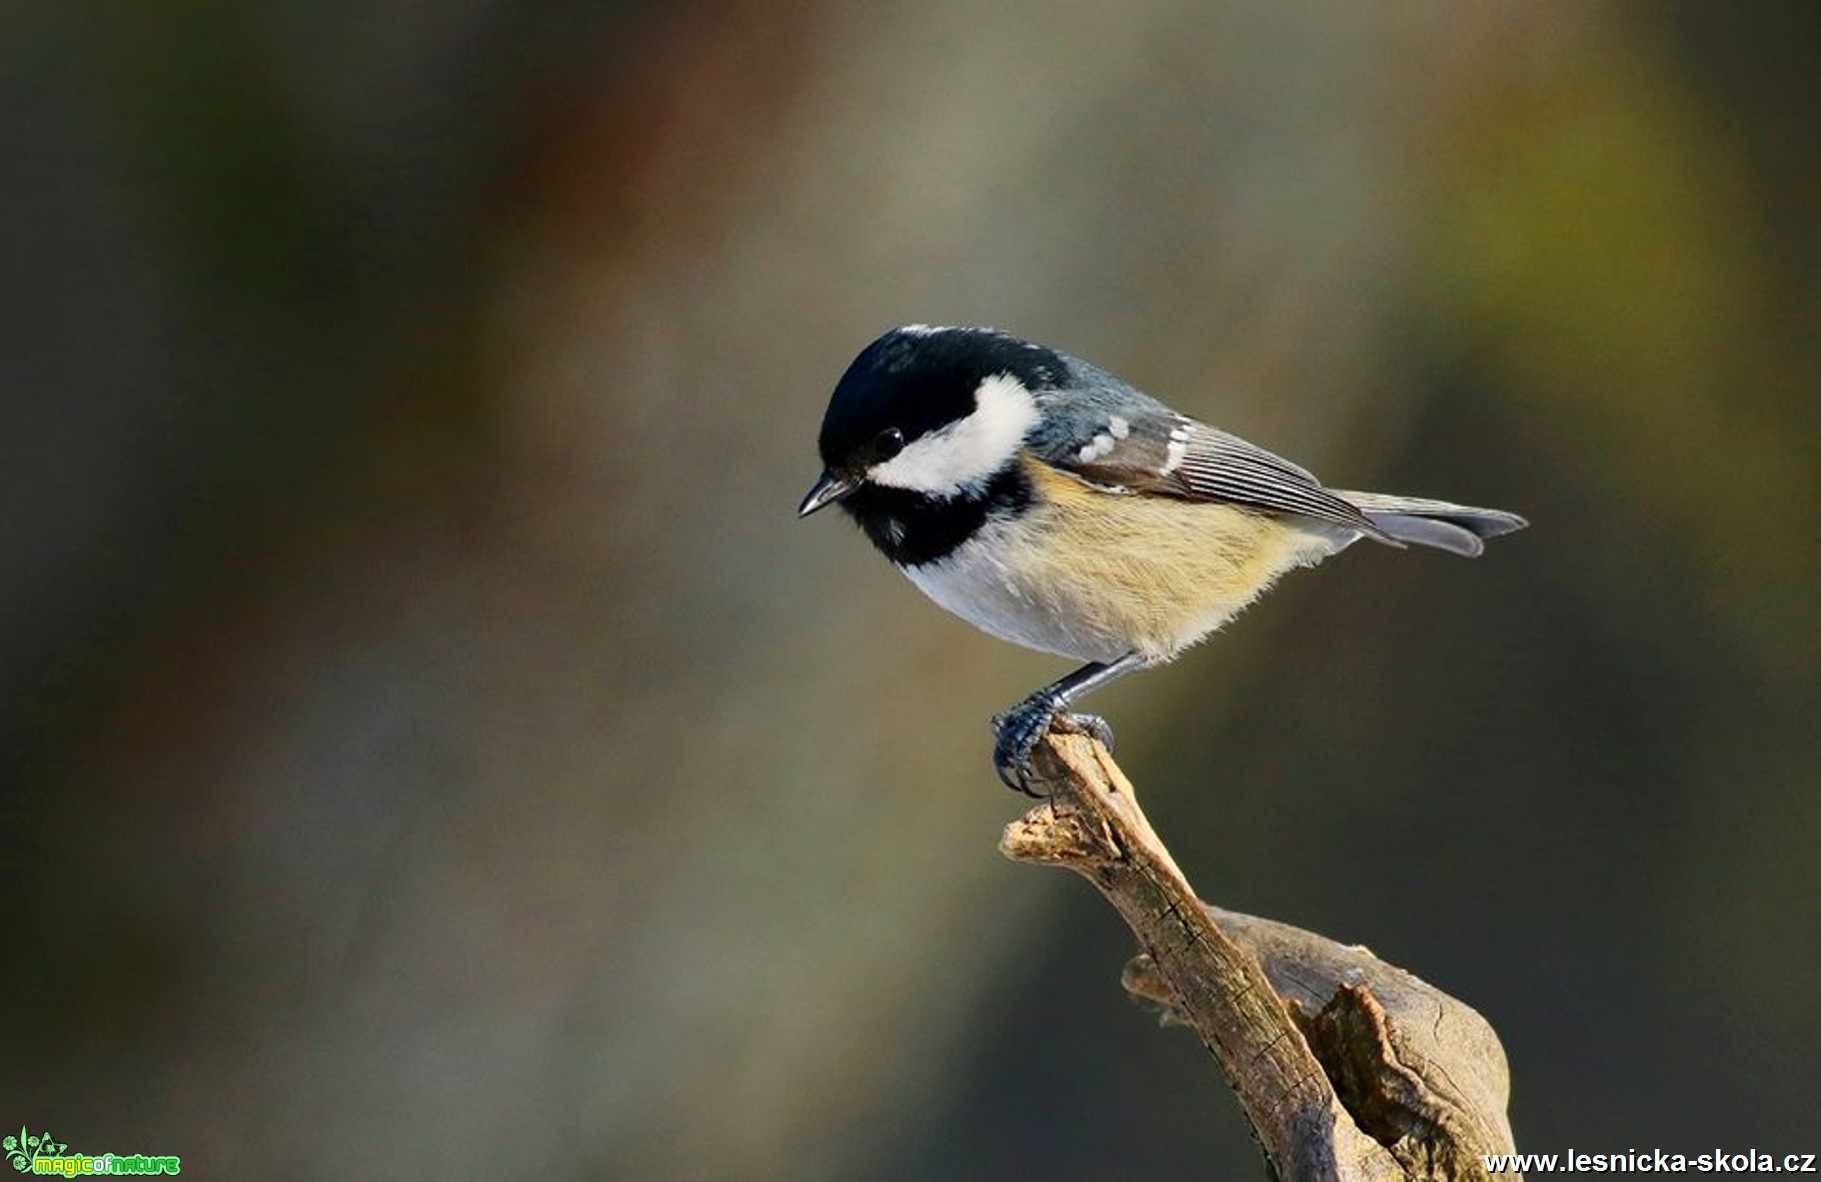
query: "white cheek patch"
966, 453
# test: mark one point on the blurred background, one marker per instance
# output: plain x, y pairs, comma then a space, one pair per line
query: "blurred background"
432, 746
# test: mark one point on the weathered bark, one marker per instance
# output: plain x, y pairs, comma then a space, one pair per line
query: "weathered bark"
1348, 1068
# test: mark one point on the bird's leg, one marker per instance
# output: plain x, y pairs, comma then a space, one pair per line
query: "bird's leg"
1017, 730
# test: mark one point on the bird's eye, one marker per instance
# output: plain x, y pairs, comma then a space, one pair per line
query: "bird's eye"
889, 443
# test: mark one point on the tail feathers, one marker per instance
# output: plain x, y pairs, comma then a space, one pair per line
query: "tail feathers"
1458, 529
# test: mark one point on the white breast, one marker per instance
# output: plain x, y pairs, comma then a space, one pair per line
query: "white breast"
1005, 602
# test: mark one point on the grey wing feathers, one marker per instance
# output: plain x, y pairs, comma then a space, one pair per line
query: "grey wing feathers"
1161, 452
1118, 439
1459, 529
1223, 467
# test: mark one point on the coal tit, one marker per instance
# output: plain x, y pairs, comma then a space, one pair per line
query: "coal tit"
1051, 504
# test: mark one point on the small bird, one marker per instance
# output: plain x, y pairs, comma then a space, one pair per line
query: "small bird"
1051, 504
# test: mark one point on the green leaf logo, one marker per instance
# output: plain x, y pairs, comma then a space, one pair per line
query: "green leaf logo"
26, 1148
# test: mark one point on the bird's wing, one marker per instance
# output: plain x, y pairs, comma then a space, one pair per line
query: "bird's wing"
1160, 452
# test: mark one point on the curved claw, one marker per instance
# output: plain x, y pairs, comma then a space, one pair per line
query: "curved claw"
1019, 730
1016, 732
1096, 727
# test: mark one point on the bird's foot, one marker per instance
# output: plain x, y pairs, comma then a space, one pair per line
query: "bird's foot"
1018, 730
1093, 726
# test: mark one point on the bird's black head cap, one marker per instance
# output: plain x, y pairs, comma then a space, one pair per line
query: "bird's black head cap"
917, 379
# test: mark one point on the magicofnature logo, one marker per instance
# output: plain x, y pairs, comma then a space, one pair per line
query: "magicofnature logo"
44, 1154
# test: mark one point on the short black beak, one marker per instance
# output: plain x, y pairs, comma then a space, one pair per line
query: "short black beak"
828, 490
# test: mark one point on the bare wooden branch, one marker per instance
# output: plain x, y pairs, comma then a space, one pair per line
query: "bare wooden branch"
1349, 1069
